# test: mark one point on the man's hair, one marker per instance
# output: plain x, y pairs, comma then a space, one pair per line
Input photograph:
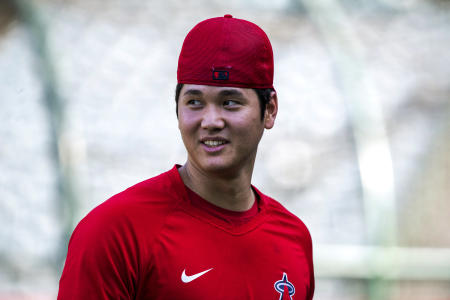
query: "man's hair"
263, 97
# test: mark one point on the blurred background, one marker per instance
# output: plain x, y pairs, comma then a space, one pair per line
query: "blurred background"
360, 149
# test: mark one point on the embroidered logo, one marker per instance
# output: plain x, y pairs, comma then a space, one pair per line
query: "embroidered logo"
220, 75
186, 278
285, 288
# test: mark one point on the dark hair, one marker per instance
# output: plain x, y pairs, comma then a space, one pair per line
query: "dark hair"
263, 97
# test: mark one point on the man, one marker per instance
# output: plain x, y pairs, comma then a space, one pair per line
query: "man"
201, 230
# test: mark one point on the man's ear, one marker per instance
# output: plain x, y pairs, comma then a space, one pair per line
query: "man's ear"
271, 111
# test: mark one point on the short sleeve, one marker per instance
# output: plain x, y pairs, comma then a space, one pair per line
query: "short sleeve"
309, 253
102, 260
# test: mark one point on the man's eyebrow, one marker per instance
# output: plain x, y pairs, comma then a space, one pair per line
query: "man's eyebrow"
222, 93
193, 92
231, 92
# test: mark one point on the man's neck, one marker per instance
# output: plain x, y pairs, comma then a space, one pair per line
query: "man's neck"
229, 192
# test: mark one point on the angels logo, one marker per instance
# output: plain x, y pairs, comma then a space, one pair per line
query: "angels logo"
221, 75
285, 288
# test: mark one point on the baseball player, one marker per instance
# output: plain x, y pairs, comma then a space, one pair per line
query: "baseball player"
201, 230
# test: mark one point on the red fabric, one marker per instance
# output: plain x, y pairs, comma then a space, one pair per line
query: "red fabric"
286, 295
232, 217
137, 245
226, 51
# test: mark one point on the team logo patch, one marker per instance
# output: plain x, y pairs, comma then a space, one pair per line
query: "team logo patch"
220, 75
285, 288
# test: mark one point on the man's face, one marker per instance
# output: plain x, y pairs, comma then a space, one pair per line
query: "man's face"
221, 126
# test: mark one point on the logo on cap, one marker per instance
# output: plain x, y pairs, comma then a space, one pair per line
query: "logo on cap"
220, 75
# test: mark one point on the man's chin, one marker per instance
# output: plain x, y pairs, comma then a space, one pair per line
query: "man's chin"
219, 168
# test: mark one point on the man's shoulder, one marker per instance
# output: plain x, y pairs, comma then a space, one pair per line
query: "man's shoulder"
144, 204
279, 214
161, 187
151, 192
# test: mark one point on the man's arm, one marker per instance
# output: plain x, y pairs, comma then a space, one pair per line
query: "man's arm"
310, 266
101, 261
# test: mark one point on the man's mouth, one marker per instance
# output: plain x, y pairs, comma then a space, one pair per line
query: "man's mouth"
213, 143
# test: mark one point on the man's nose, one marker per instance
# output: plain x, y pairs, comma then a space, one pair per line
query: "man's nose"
212, 118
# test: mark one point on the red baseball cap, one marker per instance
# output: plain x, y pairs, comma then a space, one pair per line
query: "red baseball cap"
226, 51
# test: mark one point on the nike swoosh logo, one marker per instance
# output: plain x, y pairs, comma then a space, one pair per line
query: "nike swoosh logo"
185, 278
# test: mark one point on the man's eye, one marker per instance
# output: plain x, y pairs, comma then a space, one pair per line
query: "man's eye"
230, 103
194, 102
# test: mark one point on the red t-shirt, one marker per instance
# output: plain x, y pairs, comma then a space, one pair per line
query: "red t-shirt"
159, 240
